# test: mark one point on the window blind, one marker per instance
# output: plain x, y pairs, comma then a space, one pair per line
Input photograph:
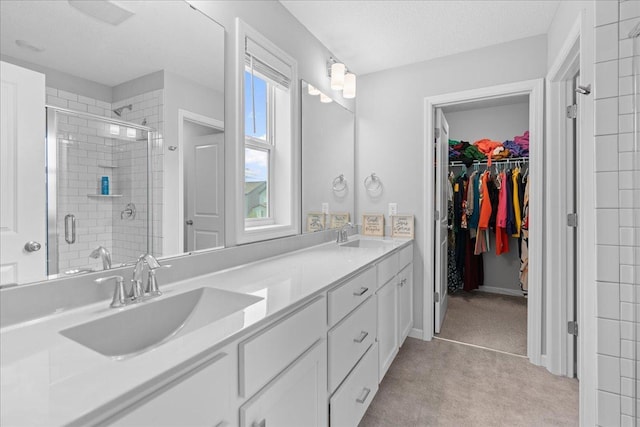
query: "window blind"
266, 63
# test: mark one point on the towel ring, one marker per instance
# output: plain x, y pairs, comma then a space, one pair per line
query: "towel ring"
339, 183
372, 182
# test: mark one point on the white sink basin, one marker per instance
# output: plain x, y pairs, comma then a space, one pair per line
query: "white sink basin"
151, 323
367, 243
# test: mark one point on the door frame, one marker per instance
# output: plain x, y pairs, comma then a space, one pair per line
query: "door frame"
210, 122
535, 90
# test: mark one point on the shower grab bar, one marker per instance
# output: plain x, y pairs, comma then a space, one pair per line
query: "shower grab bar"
73, 228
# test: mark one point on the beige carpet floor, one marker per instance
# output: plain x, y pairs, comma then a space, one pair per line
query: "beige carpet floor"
488, 320
440, 383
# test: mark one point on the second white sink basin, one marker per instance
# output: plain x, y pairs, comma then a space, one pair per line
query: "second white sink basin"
151, 323
366, 243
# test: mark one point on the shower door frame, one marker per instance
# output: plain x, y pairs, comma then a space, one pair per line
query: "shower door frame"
51, 174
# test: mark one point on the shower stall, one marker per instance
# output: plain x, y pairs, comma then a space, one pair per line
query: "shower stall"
98, 171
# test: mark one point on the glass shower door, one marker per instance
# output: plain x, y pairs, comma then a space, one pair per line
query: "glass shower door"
97, 181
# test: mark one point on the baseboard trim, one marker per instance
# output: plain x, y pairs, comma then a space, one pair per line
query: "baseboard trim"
416, 333
502, 291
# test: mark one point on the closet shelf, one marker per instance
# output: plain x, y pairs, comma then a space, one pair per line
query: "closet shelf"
100, 196
493, 162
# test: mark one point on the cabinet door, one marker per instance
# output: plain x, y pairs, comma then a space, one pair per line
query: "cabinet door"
199, 397
297, 397
387, 325
405, 302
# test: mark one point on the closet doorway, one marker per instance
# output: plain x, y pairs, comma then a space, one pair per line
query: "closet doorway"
522, 104
484, 233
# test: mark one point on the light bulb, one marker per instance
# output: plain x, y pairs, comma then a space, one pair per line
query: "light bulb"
337, 76
324, 98
313, 91
349, 90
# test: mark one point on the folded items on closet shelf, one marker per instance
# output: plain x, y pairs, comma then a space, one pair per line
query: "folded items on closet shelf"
523, 142
515, 149
472, 152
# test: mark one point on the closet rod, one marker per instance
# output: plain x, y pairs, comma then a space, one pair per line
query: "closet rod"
493, 162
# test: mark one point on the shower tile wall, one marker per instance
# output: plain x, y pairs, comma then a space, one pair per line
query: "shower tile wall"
618, 215
130, 235
81, 160
84, 155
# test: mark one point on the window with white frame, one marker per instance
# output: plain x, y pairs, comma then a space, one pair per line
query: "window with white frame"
268, 149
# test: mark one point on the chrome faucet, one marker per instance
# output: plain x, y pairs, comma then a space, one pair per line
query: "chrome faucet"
343, 235
102, 252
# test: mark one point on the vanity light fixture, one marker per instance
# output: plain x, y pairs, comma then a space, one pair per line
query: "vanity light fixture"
349, 90
341, 78
325, 99
337, 75
312, 90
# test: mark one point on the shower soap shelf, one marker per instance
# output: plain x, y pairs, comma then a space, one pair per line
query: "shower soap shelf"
106, 165
104, 195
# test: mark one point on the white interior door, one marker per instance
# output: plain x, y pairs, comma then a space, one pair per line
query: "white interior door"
204, 180
22, 176
440, 242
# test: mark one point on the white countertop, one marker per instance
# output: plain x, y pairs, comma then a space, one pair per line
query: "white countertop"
48, 379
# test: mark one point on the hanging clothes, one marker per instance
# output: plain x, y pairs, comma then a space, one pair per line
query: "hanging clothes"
511, 214
516, 202
482, 239
502, 238
524, 254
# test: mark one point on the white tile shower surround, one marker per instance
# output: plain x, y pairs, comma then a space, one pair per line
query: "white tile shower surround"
98, 219
618, 215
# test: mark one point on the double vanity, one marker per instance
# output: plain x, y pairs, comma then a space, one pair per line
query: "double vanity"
301, 339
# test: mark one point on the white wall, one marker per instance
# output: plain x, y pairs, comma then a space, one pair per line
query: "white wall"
390, 124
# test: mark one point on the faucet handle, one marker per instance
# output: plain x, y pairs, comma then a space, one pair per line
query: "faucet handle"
152, 283
119, 296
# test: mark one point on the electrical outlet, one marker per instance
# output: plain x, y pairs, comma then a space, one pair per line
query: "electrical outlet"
393, 209
325, 208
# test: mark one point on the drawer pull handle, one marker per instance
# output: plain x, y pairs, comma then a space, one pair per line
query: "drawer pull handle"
364, 396
222, 424
361, 292
361, 337
261, 423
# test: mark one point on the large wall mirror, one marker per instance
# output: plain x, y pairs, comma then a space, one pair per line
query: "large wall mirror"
135, 132
328, 161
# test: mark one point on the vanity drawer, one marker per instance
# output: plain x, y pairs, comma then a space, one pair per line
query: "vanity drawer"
405, 256
349, 403
349, 340
387, 268
263, 356
349, 295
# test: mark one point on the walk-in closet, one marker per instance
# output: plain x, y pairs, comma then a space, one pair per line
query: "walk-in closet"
487, 195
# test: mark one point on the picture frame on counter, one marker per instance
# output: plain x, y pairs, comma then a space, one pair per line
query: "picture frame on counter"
373, 225
402, 226
316, 221
338, 219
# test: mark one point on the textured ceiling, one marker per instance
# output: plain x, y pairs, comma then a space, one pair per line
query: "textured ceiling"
161, 35
373, 35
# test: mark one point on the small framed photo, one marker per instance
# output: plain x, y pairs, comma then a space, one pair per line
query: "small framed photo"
315, 221
373, 225
338, 219
402, 226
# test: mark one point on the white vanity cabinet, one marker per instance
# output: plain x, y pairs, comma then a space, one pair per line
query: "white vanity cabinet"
395, 305
405, 293
353, 355
200, 395
283, 371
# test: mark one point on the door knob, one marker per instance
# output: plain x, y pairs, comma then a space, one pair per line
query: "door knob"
32, 246
189, 222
